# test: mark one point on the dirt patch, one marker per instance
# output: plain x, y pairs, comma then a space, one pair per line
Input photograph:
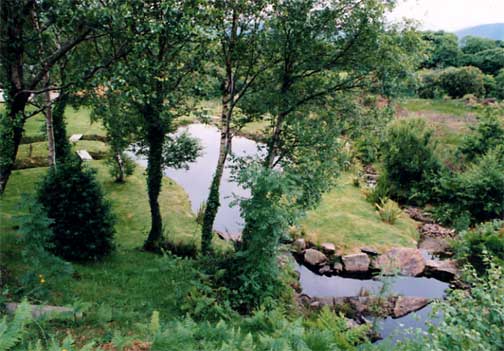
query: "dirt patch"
456, 124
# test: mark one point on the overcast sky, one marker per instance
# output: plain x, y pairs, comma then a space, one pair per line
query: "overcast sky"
450, 15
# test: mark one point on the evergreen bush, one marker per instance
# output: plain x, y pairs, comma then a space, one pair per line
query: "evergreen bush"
83, 223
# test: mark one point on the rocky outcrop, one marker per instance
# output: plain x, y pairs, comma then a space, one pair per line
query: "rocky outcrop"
357, 263
393, 306
434, 245
328, 248
402, 260
445, 270
432, 230
418, 215
407, 304
314, 257
299, 245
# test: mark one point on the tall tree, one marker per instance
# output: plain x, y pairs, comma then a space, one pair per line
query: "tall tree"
238, 27
35, 37
152, 84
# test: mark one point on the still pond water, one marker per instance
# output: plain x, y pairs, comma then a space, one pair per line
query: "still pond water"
196, 182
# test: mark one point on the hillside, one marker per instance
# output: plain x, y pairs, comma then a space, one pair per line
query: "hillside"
493, 31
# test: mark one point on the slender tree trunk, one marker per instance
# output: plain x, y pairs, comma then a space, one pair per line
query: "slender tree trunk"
155, 139
61, 143
10, 136
213, 201
120, 165
51, 157
274, 142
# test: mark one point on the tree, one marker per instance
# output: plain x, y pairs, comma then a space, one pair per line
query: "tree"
472, 45
444, 52
31, 29
457, 82
239, 30
152, 84
489, 61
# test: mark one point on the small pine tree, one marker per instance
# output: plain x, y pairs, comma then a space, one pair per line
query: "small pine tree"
83, 224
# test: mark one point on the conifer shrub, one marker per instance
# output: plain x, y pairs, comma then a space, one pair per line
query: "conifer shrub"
83, 223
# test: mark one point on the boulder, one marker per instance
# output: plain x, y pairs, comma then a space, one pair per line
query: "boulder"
418, 215
328, 248
337, 267
443, 270
433, 230
370, 251
314, 257
402, 260
299, 245
356, 263
407, 304
434, 245
325, 270
38, 311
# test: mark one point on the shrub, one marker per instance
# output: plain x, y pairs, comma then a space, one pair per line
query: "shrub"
43, 268
471, 320
83, 224
486, 238
475, 195
488, 134
388, 210
490, 85
115, 170
410, 166
457, 82
499, 85
429, 87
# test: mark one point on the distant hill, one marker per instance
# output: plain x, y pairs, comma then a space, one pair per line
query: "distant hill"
493, 31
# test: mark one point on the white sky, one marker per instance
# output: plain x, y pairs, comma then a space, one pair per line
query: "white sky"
450, 15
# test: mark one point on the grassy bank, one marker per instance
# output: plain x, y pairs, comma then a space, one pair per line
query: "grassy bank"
346, 219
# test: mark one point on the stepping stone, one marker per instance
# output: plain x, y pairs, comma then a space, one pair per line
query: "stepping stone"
75, 137
38, 311
84, 155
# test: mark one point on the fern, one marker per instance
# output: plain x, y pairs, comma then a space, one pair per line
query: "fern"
11, 333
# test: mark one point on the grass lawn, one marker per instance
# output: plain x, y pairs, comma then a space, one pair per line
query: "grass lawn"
346, 219
130, 284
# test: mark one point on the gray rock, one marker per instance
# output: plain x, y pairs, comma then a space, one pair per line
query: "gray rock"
443, 270
434, 245
325, 270
38, 311
337, 267
369, 251
356, 263
314, 257
299, 245
328, 248
407, 304
402, 260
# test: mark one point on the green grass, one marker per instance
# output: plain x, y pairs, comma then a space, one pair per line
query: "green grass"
129, 282
449, 107
346, 219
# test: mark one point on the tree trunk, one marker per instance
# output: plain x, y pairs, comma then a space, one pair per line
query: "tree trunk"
120, 164
61, 143
10, 138
155, 139
51, 157
274, 141
213, 201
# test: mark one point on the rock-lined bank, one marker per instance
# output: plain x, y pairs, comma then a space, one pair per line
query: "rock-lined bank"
368, 263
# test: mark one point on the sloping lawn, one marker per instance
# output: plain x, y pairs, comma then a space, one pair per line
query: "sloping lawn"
346, 219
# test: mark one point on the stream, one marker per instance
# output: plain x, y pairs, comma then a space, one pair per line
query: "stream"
196, 182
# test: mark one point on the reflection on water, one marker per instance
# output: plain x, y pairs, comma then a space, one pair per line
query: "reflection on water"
196, 180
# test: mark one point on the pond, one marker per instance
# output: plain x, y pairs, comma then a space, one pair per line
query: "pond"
196, 182
391, 329
197, 178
